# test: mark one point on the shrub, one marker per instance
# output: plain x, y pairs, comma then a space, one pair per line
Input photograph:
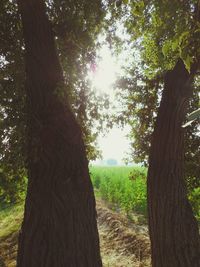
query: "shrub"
12, 185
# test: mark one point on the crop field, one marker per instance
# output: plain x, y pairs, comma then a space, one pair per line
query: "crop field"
124, 187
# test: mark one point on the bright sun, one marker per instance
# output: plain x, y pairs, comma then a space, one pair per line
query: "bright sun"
105, 73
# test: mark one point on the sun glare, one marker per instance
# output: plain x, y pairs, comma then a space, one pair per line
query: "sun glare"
104, 74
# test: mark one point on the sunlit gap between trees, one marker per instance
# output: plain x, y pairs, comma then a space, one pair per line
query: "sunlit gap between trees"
114, 143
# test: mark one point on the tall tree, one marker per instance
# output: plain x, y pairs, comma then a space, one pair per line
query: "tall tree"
76, 25
141, 98
159, 45
173, 229
59, 226
170, 48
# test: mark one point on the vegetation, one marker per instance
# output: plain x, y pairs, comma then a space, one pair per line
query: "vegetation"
122, 187
10, 218
76, 25
159, 46
194, 198
170, 61
50, 119
125, 188
59, 185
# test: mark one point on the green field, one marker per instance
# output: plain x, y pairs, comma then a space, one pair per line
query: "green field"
125, 187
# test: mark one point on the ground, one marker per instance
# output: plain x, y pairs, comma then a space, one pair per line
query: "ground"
123, 243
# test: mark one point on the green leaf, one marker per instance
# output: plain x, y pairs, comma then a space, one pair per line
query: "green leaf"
194, 115
188, 62
141, 4
184, 36
125, 2
165, 48
175, 44
191, 117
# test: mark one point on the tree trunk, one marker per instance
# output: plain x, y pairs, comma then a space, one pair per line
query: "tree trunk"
59, 227
173, 229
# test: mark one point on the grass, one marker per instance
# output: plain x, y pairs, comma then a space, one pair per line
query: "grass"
10, 218
125, 187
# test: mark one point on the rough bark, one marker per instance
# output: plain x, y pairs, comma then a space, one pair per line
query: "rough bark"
59, 227
173, 229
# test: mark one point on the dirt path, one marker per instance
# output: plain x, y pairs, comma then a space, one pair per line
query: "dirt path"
122, 244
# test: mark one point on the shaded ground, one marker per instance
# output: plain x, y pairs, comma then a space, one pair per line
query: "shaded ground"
8, 250
123, 244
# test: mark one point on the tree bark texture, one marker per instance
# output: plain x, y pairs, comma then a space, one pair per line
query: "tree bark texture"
173, 229
59, 227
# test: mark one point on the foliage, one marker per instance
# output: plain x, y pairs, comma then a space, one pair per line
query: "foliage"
161, 32
116, 184
194, 198
76, 25
140, 96
167, 30
12, 102
12, 184
192, 143
138, 173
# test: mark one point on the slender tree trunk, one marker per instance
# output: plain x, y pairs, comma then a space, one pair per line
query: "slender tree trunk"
59, 227
173, 229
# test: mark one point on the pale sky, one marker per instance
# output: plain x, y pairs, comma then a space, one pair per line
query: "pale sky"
114, 144
106, 71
